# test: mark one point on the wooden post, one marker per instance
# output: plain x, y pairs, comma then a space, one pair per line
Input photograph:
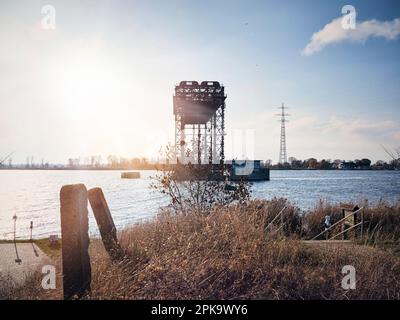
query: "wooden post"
75, 240
105, 223
350, 219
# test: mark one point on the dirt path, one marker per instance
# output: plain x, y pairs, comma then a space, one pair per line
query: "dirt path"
19, 260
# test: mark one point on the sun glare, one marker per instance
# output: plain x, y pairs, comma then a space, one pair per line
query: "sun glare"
100, 103
85, 82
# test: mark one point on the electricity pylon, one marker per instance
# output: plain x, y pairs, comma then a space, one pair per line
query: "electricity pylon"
283, 120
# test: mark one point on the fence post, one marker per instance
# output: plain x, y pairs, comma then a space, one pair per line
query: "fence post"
105, 223
75, 240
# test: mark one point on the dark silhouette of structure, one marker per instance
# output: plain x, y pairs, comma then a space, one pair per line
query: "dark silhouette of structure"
199, 111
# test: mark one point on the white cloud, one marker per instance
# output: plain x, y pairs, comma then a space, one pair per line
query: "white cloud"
364, 127
338, 137
333, 32
310, 135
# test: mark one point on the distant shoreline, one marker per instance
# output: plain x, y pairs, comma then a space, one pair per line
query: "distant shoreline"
154, 169
77, 169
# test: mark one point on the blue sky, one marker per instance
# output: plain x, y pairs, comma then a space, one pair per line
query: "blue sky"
344, 99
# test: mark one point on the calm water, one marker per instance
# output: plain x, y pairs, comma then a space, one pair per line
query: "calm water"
34, 195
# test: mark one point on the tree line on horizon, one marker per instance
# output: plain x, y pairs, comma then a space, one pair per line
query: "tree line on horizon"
143, 163
328, 164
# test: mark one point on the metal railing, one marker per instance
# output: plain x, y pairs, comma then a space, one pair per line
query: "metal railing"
280, 214
340, 221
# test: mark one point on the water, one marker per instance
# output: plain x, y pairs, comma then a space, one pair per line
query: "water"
34, 195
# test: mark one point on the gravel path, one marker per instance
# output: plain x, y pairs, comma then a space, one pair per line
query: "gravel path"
19, 260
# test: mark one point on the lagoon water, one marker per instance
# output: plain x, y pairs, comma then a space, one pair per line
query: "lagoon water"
34, 195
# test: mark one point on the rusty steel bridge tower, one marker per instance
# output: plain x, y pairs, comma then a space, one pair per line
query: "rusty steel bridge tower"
199, 111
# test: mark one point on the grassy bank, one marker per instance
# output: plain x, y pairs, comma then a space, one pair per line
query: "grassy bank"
227, 254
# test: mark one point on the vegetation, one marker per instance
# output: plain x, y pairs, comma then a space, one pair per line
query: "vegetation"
194, 188
381, 221
113, 162
213, 242
227, 253
328, 164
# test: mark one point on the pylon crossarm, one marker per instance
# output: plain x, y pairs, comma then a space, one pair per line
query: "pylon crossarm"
356, 225
336, 223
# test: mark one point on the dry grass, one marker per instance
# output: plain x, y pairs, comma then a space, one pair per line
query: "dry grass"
32, 286
227, 254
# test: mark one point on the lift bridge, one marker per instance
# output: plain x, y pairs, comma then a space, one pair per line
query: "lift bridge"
199, 111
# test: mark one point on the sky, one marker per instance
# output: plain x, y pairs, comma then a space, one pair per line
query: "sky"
101, 81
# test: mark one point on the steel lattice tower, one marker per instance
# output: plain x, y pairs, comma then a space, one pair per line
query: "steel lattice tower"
199, 111
283, 120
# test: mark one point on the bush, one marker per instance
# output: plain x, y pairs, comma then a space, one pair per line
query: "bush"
199, 187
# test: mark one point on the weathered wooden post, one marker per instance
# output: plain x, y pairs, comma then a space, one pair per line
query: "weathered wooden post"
75, 240
350, 220
105, 223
